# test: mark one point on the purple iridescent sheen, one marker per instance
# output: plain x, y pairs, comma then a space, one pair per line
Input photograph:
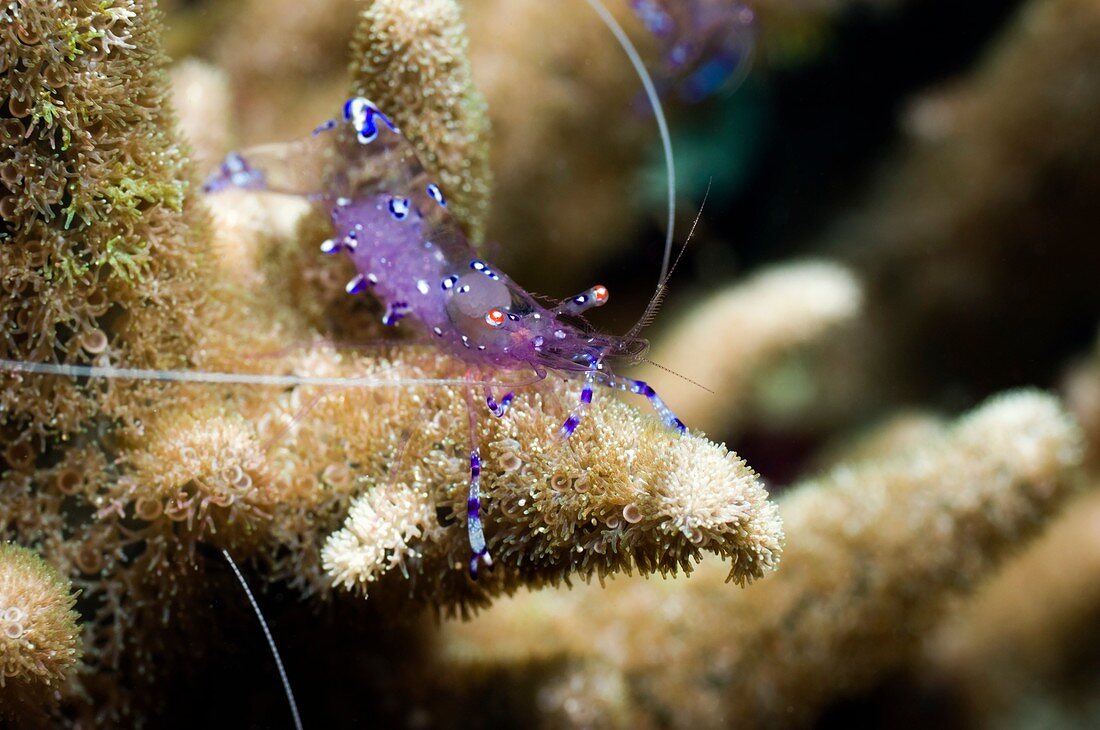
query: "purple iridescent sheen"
708, 44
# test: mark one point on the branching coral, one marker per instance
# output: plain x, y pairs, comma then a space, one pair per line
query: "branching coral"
565, 134
124, 487
98, 218
1023, 650
997, 185
623, 493
130, 489
39, 631
873, 551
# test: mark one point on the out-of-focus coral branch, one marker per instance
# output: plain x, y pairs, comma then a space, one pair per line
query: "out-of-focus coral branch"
566, 136
282, 87
873, 552
1022, 649
996, 186
733, 334
201, 97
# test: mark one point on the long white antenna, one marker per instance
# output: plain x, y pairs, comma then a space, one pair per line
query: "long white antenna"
662, 124
270, 641
199, 376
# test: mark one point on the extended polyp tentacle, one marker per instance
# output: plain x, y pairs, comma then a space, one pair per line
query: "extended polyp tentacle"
498, 409
642, 388
571, 423
594, 297
479, 551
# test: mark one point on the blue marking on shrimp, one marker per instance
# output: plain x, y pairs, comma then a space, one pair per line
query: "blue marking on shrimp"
325, 126
435, 194
498, 409
235, 172
362, 114
477, 312
399, 208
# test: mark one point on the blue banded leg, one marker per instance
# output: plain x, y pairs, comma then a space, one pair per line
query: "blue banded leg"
571, 423
642, 388
479, 550
498, 409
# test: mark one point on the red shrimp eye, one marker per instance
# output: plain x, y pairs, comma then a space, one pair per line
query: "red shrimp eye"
494, 317
599, 293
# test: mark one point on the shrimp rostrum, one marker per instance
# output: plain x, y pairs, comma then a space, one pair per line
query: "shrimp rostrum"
392, 220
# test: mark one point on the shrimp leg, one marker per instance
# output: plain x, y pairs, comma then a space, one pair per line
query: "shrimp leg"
479, 551
642, 388
498, 409
571, 423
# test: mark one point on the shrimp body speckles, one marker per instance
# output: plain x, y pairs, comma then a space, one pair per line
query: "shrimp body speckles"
410, 253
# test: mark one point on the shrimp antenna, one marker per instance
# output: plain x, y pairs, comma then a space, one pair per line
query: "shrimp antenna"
670, 371
659, 295
111, 372
662, 127
270, 640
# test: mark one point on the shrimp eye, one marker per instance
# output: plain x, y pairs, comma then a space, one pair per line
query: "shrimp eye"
599, 293
494, 317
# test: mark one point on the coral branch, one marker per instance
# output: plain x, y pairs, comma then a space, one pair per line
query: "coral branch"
873, 552
623, 493
996, 162
1023, 647
767, 316
200, 95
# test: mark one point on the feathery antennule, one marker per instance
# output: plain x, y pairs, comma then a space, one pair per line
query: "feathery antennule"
681, 376
270, 641
658, 296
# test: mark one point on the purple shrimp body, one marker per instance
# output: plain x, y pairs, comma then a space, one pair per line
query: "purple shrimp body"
392, 220
448, 291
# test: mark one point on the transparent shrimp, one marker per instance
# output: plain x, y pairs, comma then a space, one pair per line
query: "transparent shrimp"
392, 221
